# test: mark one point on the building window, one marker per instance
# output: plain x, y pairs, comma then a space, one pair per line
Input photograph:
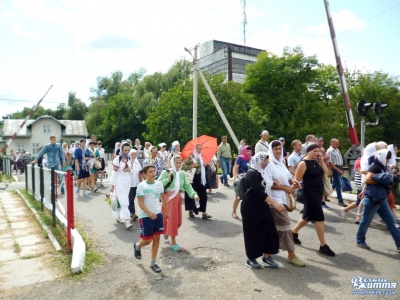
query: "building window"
35, 149
46, 128
21, 148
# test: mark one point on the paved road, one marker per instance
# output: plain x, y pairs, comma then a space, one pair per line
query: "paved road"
217, 246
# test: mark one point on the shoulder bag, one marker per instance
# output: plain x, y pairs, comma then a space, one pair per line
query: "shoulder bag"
327, 185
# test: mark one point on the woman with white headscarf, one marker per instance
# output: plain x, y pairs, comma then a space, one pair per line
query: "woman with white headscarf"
121, 182
259, 230
175, 181
280, 186
375, 199
175, 150
136, 178
199, 183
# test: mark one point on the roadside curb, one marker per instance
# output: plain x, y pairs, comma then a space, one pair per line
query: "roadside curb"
52, 239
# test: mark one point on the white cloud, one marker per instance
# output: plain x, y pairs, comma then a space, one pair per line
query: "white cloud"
343, 21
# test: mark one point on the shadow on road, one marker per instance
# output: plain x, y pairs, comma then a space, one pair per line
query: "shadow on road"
216, 228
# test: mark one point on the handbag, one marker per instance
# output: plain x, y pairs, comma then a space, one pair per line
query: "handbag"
291, 201
190, 174
97, 163
327, 186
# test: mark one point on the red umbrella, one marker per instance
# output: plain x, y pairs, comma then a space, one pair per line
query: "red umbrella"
209, 144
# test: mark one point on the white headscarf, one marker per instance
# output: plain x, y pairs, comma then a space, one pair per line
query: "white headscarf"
368, 151
381, 155
198, 159
392, 161
257, 161
177, 175
279, 161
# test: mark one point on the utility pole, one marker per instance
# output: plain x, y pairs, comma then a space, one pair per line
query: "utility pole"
195, 80
244, 20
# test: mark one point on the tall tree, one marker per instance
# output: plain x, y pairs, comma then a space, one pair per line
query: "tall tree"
76, 109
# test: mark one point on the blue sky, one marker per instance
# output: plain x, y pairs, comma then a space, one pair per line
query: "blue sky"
69, 43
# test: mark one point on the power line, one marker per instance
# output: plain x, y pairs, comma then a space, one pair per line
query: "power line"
385, 11
21, 100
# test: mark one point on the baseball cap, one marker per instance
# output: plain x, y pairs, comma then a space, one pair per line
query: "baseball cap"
265, 132
320, 138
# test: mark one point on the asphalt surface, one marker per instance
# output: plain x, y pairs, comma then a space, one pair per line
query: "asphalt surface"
219, 245
212, 263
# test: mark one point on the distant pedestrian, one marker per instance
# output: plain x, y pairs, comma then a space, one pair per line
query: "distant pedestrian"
82, 157
262, 144
224, 156
336, 165
55, 155
121, 184
136, 178
175, 150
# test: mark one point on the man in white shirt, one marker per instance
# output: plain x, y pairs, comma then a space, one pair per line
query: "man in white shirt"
262, 145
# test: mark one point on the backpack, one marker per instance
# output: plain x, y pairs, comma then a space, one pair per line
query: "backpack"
241, 186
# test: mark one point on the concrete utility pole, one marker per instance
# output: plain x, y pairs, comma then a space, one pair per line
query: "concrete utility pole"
195, 80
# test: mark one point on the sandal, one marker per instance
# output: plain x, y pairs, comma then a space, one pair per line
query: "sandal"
206, 216
175, 248
235, 216
156, 268
191, 214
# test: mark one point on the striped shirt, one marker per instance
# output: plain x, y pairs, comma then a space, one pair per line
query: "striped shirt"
335, 157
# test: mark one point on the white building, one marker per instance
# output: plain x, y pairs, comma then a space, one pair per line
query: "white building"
36, 133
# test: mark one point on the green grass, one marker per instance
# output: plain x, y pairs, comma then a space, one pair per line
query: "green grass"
6, 178
63, 258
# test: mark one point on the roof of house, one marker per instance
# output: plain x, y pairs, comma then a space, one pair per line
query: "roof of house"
68, 127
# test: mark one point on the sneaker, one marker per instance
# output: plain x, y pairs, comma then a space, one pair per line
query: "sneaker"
325, 206
295, 261
252, 263
364, 245
270, 262
343, 213
296, 238
327, 200
84, 194
326, 250
227, 185
128, 224
77, 191
137, 252
120, 221
342, 204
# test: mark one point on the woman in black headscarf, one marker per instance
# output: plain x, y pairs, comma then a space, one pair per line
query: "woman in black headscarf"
310, 170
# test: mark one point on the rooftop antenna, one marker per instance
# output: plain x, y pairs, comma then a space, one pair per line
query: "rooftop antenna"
244, 20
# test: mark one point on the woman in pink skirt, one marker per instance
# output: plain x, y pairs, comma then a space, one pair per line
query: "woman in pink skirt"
174, 183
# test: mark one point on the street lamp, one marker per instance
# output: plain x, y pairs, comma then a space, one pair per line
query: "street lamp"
195, 68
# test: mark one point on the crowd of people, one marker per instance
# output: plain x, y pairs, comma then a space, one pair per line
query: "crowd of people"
273, 179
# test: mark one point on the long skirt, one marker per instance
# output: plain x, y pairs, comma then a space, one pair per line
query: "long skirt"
121, 191
282, 222
259, 231
174, 221
201, 192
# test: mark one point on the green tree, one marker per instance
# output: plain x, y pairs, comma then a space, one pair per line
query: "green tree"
171, 119
76, 109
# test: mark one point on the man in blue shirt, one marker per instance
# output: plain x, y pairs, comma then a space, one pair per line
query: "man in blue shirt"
55, 155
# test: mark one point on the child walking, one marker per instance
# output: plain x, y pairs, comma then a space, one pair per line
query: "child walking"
150, 218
